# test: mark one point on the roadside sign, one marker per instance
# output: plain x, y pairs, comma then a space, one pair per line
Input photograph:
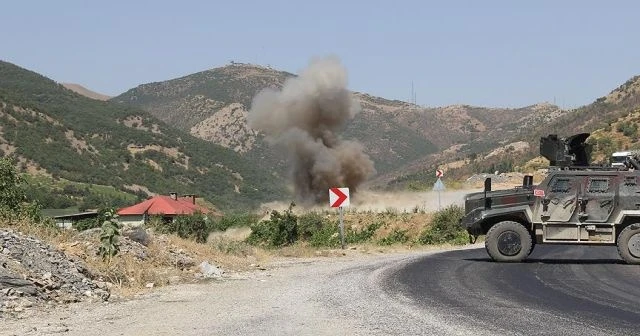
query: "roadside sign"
439, 173
338, 197
438, 186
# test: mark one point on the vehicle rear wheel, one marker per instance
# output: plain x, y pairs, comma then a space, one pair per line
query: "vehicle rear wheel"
629, 244
508, 241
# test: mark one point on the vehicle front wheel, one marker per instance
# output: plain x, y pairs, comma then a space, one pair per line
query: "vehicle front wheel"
629, 244
508, 241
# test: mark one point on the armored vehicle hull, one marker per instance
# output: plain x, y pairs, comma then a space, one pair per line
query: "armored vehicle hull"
585, 205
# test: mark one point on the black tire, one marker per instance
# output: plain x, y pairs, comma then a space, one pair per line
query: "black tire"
508, 241
629, 244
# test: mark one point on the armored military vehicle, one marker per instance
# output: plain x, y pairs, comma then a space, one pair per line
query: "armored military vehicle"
576, 203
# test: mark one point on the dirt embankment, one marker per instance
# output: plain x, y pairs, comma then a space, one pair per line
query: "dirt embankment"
65, 267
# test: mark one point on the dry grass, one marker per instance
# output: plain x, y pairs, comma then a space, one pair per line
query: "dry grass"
160, 264
129, 274
46, 233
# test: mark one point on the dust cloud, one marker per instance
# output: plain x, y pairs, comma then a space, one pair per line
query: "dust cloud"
396, 201
304, 119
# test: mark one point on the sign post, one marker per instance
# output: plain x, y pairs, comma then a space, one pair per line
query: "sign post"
338, 198
439, 186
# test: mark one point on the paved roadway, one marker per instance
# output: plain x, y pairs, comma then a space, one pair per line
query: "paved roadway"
559, 290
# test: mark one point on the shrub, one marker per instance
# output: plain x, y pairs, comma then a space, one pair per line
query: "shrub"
355, 237
196, 227
110, 236
397, 236
445, 227
628, 128
281, 229
309, 224
13, 197
234, 220
90, 223
326, 236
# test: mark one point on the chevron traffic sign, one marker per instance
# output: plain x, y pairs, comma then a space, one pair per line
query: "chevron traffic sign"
338, 197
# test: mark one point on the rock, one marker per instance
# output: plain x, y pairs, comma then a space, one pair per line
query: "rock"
25, 303
149, 285
16, 283
138, 235
210, 271
180, 259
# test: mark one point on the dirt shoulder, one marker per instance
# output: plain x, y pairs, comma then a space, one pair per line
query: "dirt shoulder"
286, 296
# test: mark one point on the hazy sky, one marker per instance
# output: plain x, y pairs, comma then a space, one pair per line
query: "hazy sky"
490, 53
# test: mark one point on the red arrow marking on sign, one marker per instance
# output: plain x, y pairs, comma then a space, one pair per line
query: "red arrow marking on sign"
341, 197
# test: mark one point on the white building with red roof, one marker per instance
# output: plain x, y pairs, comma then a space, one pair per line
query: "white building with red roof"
167, 207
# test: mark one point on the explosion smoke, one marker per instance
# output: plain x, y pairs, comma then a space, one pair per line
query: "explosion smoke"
304, 118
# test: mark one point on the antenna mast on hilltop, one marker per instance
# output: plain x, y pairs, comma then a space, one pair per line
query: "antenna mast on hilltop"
412, 100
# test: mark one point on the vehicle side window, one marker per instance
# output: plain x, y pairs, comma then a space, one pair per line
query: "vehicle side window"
598, 185
630, 181
561, 185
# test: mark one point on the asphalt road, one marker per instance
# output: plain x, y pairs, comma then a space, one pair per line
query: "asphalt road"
559, 290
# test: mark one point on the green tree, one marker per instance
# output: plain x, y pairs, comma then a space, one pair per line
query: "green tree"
12, 193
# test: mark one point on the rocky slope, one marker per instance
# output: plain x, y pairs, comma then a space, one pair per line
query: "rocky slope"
33, 273
213, 105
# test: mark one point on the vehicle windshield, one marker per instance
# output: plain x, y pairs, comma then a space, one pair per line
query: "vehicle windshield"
618, 159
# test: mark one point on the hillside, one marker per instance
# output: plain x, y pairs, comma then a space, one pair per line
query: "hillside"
213, 105
56, 132
77, 88
612, 120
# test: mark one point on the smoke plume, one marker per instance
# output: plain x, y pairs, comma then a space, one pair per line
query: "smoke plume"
304, 119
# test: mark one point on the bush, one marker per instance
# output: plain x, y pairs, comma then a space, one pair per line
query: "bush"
397, 236
445, 227
326, 236
196, 227
91, 223
280, 230
12, 194
110, 236
628, 128
355, 237
309, 224
13, 197
234, 220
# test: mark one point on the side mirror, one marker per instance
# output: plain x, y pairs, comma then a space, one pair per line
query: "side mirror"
487, 188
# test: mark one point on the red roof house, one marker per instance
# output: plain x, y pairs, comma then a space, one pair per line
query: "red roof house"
161, 205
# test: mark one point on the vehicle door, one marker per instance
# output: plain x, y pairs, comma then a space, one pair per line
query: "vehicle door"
559, 202
598, 197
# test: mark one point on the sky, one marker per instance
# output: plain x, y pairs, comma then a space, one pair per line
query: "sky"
483, 53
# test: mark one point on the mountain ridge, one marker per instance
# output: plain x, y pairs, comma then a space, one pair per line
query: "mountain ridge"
64, 134
77, 88
213, 104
